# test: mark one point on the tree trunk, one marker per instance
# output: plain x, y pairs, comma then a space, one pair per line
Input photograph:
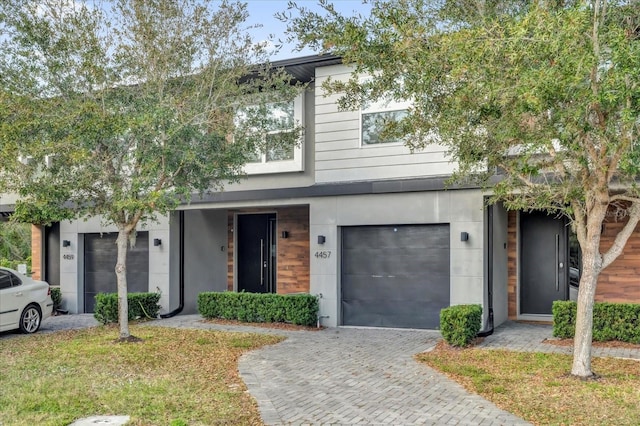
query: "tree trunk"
584, 318
121, 277
591, 268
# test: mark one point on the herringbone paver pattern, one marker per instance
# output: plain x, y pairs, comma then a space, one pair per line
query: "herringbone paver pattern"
351, 376
345, 376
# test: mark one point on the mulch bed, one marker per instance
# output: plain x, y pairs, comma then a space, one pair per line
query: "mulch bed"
443, 345
272, 325
609, 344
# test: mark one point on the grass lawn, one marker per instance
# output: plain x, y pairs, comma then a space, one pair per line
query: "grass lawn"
174, 377
538, 387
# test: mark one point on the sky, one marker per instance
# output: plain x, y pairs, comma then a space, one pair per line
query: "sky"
262, 12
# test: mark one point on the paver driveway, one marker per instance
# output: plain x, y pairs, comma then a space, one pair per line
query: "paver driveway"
354, 376
344, 376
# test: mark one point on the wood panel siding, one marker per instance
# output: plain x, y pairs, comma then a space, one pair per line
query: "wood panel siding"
512, 264
293, 252
620, 282
293, 260
339, 156
36, 251
230, 249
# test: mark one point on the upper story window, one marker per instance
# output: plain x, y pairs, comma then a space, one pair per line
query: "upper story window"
284, 118
374, 117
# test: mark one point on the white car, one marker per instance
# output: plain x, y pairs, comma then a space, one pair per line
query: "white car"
24, 302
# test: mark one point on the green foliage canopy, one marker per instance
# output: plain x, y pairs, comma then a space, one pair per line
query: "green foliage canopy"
126, 108
536, 101
524, 88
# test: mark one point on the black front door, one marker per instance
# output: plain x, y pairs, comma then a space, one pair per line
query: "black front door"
256, 253
543, 262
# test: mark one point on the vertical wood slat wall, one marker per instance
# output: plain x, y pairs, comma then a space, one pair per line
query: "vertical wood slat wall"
293, 260
36, 251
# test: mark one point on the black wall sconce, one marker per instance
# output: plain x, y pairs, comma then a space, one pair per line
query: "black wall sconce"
66, 243
464, 236
157, 242
321, 239
285, 234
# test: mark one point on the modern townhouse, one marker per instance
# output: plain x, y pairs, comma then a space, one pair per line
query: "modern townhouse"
372, 229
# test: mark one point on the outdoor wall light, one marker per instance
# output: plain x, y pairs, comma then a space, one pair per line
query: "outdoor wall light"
321, 239
66, 243
285, 234
157, 242
464, 236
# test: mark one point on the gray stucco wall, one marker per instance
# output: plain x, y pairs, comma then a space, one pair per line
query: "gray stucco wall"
461, 209
72, 259
205, 254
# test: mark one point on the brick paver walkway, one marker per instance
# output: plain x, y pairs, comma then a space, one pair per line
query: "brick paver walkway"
345, 376
361, 376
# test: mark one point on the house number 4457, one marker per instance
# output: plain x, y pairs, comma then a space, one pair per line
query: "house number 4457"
325, 254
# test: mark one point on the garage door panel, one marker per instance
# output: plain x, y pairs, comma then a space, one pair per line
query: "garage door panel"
100, 255
96, 282
408, 236
361, 287
400, 262
100, 261
395, 276
388, 314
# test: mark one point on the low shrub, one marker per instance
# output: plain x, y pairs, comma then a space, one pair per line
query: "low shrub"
611, 321
141, 305
56, 296
460, 324
299, 309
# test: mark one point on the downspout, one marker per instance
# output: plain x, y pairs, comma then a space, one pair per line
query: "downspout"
488, 330
180, 268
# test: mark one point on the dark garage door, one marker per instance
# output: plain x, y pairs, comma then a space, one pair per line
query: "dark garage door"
100, 255
395, 276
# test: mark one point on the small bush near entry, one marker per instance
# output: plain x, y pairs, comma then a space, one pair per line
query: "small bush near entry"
56, 296
299, 309
141, 305
611, 321
460, 324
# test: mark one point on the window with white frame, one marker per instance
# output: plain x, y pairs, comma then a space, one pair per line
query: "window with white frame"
284, 117
375, 116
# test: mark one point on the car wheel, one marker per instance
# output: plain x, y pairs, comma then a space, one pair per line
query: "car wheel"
30, 319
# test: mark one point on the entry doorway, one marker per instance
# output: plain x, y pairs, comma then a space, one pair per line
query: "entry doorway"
543, 262
256, 252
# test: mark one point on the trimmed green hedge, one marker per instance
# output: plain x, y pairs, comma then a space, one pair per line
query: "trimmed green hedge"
141, 305
299, 309
611, 321
460, 324
56, 296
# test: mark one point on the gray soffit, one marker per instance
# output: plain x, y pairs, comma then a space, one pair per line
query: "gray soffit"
301, 69
5, 211
327, 190
304, 69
